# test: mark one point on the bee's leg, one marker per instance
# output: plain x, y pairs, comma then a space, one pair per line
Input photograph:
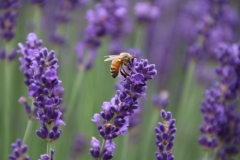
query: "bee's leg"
129, 68
125, 72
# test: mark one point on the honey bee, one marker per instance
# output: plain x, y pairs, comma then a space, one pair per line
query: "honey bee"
118, 63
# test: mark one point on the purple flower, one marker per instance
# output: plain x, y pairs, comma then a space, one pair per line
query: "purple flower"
212, 22
221, 124
212, 110
61, 16
115, 114
221, 118
19, 150
47, 157
95, 150
8, 19
108, 18
10, 57
2, 53
146, 12
57, 38
28, 110
40, 69
107, 152
228, 55
161, 100
28, 51
135, 119
78, 146
165, 136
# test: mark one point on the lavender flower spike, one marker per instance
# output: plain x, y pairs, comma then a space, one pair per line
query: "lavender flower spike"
115, 114
8, 19
165, 136
221, 128
19, 150
40, 69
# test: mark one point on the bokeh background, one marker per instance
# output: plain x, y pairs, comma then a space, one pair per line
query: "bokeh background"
165, 34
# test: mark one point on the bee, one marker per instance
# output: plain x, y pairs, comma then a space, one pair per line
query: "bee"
118, 63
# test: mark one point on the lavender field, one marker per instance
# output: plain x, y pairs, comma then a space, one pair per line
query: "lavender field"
119, 79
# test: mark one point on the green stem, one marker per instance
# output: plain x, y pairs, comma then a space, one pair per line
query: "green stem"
191, 95
37, 19
7, 101
29, 127
147, 137
139, 37
49, 126
187, 84
28, 130
206, 155
124, 154
74, 92
48, 148
102, 148
6, 114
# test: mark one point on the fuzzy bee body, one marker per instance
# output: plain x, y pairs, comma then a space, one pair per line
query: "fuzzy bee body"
118, 61
115, 66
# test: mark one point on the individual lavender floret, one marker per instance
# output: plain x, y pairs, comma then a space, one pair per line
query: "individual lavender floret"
161, 100
107, 152
95, 150
19, 151
165, 136
146, 12
47, 157
28, 109
115, 114
8, 19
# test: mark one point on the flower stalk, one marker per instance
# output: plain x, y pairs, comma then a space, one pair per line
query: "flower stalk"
116, 113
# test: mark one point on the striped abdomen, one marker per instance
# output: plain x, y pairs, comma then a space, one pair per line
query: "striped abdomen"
115, 66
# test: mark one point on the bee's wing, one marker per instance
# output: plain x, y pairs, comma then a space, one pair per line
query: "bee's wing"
112, 57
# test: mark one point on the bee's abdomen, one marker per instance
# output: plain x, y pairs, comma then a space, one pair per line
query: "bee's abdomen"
115, 68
